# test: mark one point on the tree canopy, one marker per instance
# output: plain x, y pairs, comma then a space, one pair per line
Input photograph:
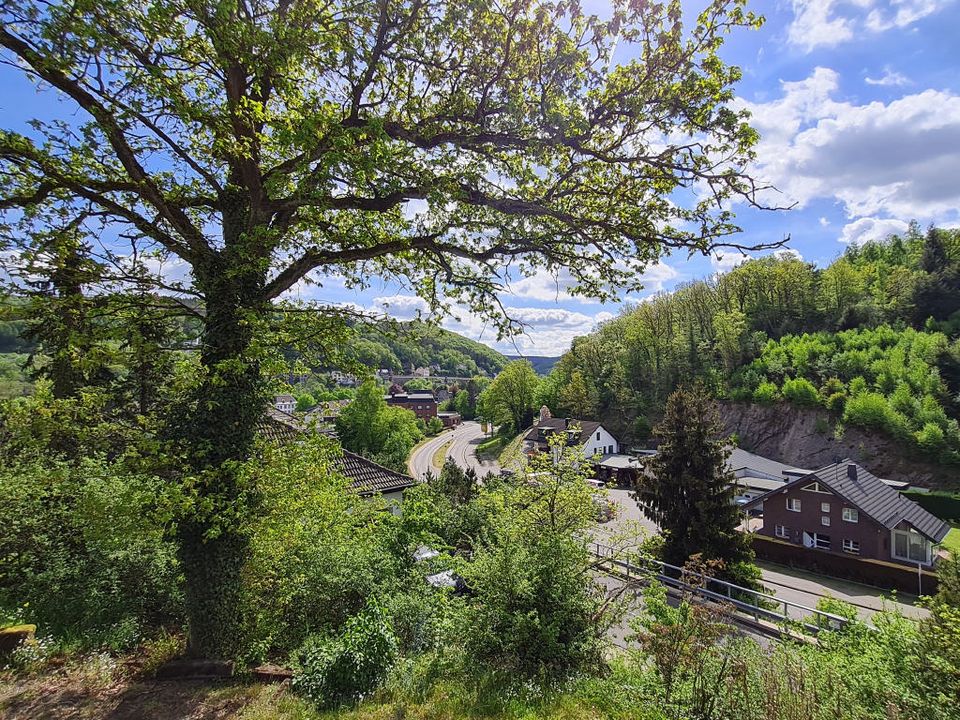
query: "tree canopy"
242, 148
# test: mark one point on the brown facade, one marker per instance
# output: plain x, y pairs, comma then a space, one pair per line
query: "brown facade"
424, 407
865, 538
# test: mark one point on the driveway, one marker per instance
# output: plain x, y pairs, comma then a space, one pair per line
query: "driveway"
463, 444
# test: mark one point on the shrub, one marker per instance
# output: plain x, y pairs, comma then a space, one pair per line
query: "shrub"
931, 438
84, 551
346, 668
766, 393
801, 392
836, 403
867, 410
317, 549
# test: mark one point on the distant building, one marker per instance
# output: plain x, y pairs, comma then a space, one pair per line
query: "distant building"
285, 403
422, 403
450, 419
343, 379
422, 372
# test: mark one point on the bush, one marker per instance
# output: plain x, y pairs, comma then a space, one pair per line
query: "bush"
317, 549
346, 668
931, 438
801, 392
84, 551
867, 410
536, 610
766, 393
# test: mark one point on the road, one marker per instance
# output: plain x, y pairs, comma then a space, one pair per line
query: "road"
464, 440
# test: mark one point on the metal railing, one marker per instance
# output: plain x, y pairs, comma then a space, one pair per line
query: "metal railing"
744, 601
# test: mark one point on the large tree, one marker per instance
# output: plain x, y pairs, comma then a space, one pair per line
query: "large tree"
690, 490
438, 142
510, 396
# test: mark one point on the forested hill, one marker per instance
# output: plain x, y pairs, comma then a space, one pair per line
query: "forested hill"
871, 339
416, 344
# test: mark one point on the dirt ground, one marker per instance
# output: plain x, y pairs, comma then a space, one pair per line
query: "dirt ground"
102, 688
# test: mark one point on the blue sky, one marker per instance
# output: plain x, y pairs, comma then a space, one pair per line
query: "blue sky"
858, 105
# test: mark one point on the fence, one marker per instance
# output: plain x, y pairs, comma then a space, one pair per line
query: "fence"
743, 600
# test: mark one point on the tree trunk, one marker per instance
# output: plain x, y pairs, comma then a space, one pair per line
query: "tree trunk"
217, 431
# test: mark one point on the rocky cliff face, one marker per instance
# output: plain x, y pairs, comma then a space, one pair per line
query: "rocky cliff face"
806, 438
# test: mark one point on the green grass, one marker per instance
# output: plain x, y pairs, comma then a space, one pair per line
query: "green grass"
952, 540
440, 454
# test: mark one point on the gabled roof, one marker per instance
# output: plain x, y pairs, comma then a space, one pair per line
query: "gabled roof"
587, 428
366, 477
871, 496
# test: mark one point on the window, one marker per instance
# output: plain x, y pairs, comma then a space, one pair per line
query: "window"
909, 545
825, 507
851, 546
851, 515
825, 520
598, 436
793, 504
821, 541
782, 531
817, 488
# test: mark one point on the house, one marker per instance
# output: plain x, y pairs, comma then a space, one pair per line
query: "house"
589, 435
422, 403
367, 478
343, 379
844, 510
285, 403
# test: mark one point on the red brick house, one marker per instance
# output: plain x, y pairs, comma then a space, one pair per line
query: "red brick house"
845, 510
422, 404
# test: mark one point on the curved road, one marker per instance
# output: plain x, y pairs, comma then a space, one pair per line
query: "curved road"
464, 440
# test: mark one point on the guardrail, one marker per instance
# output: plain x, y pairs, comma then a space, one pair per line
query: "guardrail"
743, 600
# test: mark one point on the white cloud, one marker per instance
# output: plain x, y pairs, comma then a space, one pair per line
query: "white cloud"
824, 222
726, 261
900, 13
548, 330
871, 228
827, 23
815, 25
543, 285
890, 78
401, 307
894, 159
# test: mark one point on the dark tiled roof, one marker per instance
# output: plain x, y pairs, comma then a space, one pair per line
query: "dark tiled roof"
871, 496
741, 459
587, 428
365, 476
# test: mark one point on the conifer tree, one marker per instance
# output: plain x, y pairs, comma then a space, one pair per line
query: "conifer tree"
690, 494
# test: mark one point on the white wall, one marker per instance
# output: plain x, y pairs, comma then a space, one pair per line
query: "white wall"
601, 445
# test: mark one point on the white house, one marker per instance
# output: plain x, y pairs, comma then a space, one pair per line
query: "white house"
589, 435
285, 403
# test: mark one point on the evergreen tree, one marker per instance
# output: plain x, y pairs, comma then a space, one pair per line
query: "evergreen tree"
690, 492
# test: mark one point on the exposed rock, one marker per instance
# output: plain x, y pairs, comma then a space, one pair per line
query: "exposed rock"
807, 438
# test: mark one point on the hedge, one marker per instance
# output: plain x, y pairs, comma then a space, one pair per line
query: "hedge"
944, 505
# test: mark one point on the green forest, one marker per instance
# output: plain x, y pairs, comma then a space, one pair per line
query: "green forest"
872, 338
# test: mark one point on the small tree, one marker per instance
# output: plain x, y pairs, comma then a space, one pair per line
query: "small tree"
690, 494
538, 609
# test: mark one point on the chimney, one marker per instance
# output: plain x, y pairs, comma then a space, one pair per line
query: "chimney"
852, 471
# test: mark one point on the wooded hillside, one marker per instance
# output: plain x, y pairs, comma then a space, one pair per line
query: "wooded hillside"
872, 338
